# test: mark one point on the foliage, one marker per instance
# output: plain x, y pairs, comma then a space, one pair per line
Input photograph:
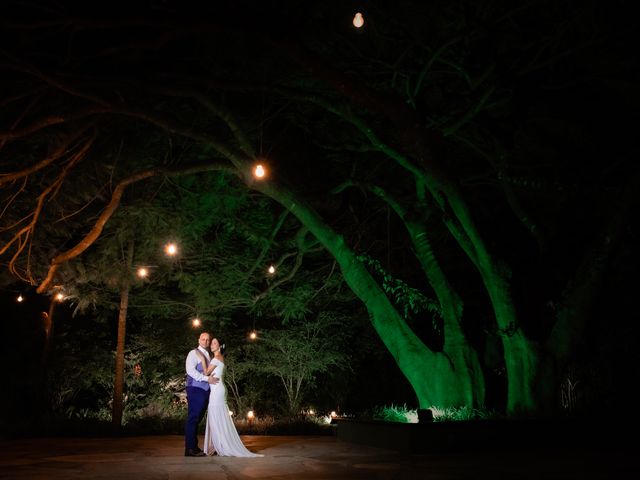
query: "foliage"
295, 355
396, 413
79, 377
462, 413
411, 302
409, 299
402, 414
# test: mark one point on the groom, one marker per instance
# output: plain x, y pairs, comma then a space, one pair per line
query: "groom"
197, 395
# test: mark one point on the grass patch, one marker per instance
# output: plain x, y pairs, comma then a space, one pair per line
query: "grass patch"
403, 414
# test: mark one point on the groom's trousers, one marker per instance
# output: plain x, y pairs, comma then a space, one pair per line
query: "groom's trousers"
197, 401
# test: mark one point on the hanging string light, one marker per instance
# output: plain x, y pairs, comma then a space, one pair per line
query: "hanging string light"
253, 335
196, 322
143, 272
271, 269
358, 20
20, 299
259, 171
171, 249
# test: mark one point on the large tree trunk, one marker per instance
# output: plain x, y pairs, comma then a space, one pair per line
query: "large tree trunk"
464, 358
420, 365
118, 383
521, 355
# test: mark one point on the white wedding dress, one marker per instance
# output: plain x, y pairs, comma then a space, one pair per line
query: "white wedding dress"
220, 435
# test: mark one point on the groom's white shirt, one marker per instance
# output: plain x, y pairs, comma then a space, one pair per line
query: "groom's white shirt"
192, 362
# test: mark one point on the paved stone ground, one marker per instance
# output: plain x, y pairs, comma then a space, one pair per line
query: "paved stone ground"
290, 457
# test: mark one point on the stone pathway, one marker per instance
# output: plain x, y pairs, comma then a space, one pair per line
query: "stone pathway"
288, 457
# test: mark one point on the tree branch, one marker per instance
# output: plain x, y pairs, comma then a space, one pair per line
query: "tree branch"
113, 204
57, 153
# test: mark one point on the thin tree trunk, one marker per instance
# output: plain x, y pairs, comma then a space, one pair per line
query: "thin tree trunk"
118, 386
47, 320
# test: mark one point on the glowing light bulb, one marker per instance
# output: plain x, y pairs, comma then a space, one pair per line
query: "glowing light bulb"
253, 335
143, 272
171, 249
59, 297
358, 20
196, 322
20, 298
333, 414
259, 171
271, 269
312, 412
250, 414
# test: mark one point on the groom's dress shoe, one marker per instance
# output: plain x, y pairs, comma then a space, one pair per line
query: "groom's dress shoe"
194, 453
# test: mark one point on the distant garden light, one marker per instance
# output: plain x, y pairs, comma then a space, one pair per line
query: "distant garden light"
333, 414
143, 272
196, 322
253, 335
358, 20
59, 297
250, 418
171, 249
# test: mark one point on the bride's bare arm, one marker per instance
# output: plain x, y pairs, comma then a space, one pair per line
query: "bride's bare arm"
209, 369
203, 361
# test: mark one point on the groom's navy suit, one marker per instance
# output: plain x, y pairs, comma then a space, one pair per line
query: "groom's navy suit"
197, 398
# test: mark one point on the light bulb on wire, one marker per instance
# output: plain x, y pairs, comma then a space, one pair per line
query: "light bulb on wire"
259, 171
358, 20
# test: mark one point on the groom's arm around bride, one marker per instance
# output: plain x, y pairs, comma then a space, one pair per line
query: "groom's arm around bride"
197, 393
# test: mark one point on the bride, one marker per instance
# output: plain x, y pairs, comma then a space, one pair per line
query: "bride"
220, 435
